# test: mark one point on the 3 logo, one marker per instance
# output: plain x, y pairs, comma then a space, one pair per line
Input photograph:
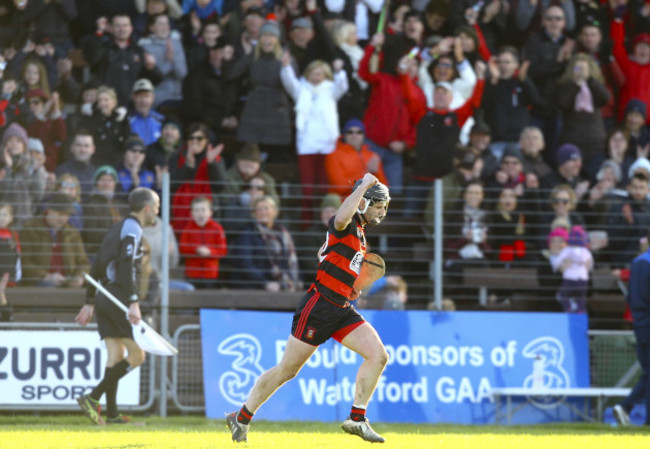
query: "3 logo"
236, 383
547, 354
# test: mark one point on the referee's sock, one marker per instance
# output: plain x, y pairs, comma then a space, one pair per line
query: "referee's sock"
244, 416
111, 400
358, 413
111, 375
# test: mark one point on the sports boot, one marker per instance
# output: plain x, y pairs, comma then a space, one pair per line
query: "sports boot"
238, 430
362, 429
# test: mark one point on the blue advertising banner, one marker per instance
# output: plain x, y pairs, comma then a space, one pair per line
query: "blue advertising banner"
441, 369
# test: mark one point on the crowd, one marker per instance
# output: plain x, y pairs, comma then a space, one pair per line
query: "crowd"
534, 113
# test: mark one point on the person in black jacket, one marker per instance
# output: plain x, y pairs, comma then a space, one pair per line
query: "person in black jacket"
116, 60
118, 267
207, 96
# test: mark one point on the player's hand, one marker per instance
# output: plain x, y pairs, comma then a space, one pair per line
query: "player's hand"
369, 180
134, 313
354, 295
85, 314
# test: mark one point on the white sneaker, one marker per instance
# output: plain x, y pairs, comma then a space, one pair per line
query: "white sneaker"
362, 429
622, 417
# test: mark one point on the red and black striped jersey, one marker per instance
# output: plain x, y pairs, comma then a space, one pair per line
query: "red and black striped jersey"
340, 261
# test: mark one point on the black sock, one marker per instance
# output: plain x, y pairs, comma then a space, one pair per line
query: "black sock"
112, 374
358, 414
244, 416
111, 400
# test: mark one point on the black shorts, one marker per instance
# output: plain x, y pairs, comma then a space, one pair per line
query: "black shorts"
317, 319
111, 320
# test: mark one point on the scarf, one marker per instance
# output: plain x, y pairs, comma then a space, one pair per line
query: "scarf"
355, 53
322, 97
584, 100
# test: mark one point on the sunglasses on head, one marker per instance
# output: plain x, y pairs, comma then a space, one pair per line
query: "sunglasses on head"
68, 184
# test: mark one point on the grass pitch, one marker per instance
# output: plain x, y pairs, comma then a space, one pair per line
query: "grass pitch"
27, 432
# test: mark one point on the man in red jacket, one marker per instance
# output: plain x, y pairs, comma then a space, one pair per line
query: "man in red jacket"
203, 244
389, 132
636, 68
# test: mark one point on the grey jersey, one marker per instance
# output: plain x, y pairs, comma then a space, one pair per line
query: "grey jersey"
119, 261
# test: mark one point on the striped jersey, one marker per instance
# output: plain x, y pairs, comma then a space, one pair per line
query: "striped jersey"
340, 261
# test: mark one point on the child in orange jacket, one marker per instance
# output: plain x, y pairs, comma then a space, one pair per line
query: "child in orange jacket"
203, 244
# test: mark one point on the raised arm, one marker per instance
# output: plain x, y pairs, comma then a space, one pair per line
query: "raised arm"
344, 214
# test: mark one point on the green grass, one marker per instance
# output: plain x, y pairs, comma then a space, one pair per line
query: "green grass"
56, 431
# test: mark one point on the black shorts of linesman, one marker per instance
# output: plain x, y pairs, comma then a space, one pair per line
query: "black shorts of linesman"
117, 267
325, 312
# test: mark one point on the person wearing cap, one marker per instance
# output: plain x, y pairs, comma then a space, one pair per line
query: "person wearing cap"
46, 123
118, 61
248, 165
634, 124
301, 34
133, 173
144, 121
104, 207
159, 152
52, 252
167, 48
512, 174
569, 166
574, 262
254, 18
351, 159
437, 132
480, 136
508, 97
636, 67
266, 117
109, 127
310, 240
20, 185
628, 221
207, 95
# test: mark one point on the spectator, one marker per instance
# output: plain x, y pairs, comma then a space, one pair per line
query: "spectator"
311, 239
116, 60
109, 127
509, 95
69, 185
159, 152
6, 310
46, 124
80, 165
196, 170
556, 241
198, 42
84, 104
527, 11
508, 229
389, 129
37, 155
52, 251
353, 102
145, 122
149, 8
133, 173
628, 222
266, 117
20, 185
250, 33
569, 165
204, 9
34, 77
317, 122
153, 235
437, 133
10, 263
236, 210
633, 122
248, 164
351, 159
480, 137
103, 208
580, 96
265, 251
166, 47
575, 262
531, 142
635, 68
466, 228
203, 245
563, 206
603, 194
617, 151
548, 52
207, 96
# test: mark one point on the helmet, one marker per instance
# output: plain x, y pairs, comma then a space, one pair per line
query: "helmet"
378, 192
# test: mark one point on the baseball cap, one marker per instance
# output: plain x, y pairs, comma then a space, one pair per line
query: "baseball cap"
302, 22
134, 143
567, 152
142, 84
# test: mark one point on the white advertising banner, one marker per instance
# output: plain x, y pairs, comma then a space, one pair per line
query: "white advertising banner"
55, 368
